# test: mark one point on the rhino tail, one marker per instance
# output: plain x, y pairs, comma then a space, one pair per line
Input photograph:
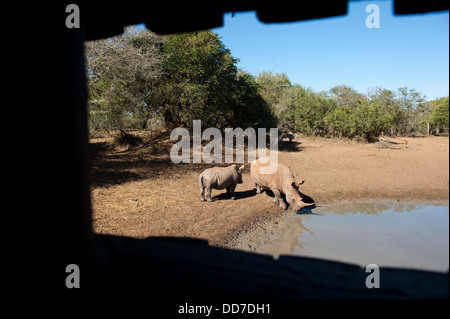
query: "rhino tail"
200, 180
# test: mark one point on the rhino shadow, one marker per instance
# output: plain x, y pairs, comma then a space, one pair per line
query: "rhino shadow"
308, 210
237, 194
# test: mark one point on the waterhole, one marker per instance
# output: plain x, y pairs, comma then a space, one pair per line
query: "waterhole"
395, 235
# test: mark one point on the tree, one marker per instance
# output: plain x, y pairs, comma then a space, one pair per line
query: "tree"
375, 117
342, 121
308, 110
250, 109
366, 119
138, 75
287, 108
392, 109
199, 79
411, 103
272, 85
440, 114
346, 96
123, 74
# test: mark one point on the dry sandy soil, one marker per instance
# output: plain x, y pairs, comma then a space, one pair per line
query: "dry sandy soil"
141, 193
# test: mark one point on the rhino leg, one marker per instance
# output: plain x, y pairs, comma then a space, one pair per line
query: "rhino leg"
258, 189
279, 199
202, 189
231, 190
208, 194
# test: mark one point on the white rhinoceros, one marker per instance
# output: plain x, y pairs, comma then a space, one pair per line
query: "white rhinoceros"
280, 182
219, 178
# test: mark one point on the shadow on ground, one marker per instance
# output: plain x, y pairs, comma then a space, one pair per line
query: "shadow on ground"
290, 146
109, 167
237, 194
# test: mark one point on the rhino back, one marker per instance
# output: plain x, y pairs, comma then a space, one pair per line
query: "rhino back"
219, 177
263, 180
280, 179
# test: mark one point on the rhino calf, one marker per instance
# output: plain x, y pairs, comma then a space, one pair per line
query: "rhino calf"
219, 178
280, 182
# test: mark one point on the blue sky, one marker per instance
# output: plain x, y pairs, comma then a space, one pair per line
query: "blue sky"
406, 51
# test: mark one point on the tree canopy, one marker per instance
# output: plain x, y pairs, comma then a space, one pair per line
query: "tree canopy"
139, 76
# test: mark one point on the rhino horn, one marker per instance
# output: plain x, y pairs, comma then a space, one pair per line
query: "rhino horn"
303, 204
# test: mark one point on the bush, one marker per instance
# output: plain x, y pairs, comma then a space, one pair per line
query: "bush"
440, 115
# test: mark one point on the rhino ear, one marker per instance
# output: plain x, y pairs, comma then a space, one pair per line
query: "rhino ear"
241, 168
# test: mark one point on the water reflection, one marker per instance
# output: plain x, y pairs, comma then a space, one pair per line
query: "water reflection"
371, 208
400, 235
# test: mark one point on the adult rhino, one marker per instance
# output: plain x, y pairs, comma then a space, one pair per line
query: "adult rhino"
219, 178
282, 181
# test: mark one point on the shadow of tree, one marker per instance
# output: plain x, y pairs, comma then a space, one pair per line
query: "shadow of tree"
290, 146
108, 167
151, 160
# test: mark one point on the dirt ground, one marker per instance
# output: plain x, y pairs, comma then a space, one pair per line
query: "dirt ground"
141, 193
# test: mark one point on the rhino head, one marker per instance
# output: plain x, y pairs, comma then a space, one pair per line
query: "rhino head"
294, 199
239, 173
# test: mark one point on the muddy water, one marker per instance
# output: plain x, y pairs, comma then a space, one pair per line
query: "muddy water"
397, 235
